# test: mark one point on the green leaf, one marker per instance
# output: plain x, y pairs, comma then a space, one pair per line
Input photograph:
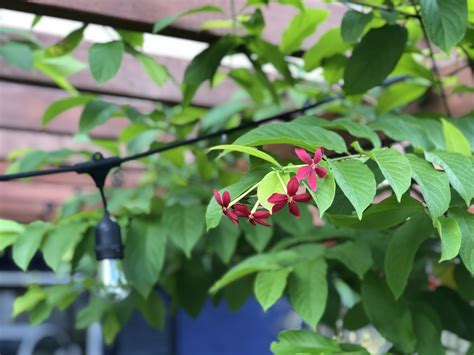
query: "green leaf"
357, 182
450, 234
223, 240
58, 69
272, 54
466, 125
390, 317
328, 45
422, 133
204, 66
353, 25
308, 290
380, 216
459, 170
324, 194
456, 141
96, 113
356, 256
354, 128
465, 221
168, 20
156, 71
67, 44
61, 241
445, 21
153, 310
91, 313
402, 249
434, 185
7, 227
28, 243
399, 94
134, 39
270, 184
40, 313
428, 330
295, 134
304, 342
33, 296
17, 54
218, 116
184, 226
301, 26
59, 106
145, 254
374, 58
105, 60
269, 286
257, 236
394, 167
256, 263
248, 150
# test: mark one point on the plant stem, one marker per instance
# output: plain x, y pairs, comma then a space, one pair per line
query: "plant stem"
438, 79
255, 206
281, 181
290, 167
243, 194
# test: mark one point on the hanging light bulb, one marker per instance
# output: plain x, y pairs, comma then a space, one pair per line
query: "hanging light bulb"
111, 280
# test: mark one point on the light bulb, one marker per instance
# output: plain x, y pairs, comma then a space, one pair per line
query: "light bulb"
111, 280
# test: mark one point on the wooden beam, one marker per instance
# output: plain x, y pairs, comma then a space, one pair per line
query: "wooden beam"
130, 82
140, 15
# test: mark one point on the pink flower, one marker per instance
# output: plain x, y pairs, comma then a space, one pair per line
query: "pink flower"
290, 199
253, 217
311, 169
224, 203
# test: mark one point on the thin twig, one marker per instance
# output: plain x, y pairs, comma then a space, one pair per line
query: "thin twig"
444, 97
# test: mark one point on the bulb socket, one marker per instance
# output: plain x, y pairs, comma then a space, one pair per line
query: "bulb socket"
108, 239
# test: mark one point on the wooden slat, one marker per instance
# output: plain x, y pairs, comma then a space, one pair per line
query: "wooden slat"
140, 15
18, 115
131, 81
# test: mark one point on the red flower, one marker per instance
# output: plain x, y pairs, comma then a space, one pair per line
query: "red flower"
290, 199
224, 203
253, 217
312, 169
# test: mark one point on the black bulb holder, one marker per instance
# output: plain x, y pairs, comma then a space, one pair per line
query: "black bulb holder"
108, 240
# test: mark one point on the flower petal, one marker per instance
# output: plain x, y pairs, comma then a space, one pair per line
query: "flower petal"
217, 197
318, 154
321, 172
232, 216
313, 184
302, 197
241, 210
294, 210
278, 207
303, 172
226, 198
262, 214
252, 220
293, 186
262, 222
278, 198
303, 155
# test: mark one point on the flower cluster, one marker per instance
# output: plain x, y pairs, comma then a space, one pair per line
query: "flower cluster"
234, 210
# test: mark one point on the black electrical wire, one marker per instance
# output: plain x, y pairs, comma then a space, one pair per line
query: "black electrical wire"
105, 164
